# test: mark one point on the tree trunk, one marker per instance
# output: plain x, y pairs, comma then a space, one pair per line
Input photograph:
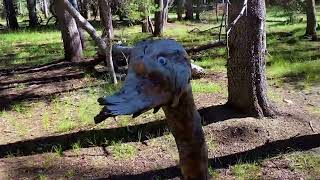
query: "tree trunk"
247, 84
311, 29
180, 9
85, 9
70, 33
93, 33
32, 9
10, 14
147, 26
165, 12
105, 20
189, 10
198, 10
146, 23
81, 33
158, 24
45, 9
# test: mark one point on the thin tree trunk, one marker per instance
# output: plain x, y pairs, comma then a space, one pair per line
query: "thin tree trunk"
189, 10
45, 9
93, 33
311, 29
33, 19
10, 14
165, 12
105, 20
85, 9
158, 25
146, 23
81, 33
70, 33
198, 10
180, 9
247, 85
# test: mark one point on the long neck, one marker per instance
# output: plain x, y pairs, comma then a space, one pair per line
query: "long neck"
185, 111
185, 124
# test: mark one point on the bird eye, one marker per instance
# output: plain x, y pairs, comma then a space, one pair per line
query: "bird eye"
162, 60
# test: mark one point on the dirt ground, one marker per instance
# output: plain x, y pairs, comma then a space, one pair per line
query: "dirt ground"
231, 136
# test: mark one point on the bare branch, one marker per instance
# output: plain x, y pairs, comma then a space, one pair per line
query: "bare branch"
93, 33
209, 45
244, 8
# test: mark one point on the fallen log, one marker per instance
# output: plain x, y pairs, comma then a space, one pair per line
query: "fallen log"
213, 44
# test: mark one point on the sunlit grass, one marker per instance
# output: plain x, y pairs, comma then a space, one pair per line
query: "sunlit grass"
246, 171
199, 86
307, 163
212, 64
122, 151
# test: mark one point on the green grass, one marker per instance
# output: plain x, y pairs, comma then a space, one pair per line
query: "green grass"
292, 58
123, 151
246, 171
42, 177
199, 86
58, 150
314, 110
214, 174
306, 163
34, 47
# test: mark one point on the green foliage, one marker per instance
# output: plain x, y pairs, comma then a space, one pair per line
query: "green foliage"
214, 174
246, 171
123, 151
199, 86
140, 8
308, 163
42, 177
58, 150
46, 119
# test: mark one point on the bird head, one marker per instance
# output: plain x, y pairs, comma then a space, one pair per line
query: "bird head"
159, 73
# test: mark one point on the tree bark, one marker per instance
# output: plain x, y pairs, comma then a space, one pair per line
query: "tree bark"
81, 33
247, 85
32, 9
311, 29
94, 35
106, 21
180, 9
158, 24
70, 33
85, 9
198, 9
45, 9
189, 10
10, 14
146, 23
165, 11
147, 26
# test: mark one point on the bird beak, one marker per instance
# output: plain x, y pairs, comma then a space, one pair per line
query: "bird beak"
138, 95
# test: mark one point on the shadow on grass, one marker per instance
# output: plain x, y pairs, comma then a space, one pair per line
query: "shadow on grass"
43, 81
99, 137
29, 55
155, 129
268, 150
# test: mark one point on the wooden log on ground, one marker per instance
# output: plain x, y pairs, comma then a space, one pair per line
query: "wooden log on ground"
213, 44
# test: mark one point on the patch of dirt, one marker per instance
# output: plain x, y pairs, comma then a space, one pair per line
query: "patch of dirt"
232, 137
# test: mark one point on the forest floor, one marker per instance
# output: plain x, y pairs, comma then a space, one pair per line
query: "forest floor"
47, 109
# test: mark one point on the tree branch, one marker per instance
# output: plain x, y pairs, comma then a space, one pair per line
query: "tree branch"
86, 26
213, 44
244, 7
93, 33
